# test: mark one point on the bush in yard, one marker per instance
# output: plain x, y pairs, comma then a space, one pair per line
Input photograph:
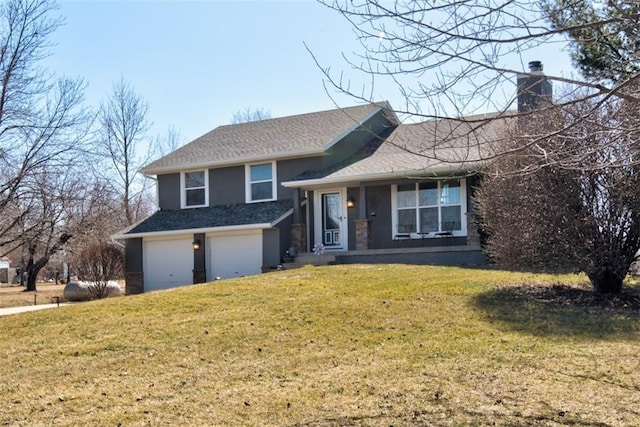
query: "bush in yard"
100, 263
559, 217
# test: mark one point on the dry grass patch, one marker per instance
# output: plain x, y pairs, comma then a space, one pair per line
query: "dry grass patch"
16, 296
339, 345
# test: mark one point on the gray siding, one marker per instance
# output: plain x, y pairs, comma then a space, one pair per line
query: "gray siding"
169, 191
284, 233
352, 215
379, 211
358, 138
288, 169
270, 248
459, 255
133, 255
199, 256
226, 186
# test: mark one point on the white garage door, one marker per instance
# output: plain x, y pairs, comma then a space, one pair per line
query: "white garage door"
167, 263
235, 255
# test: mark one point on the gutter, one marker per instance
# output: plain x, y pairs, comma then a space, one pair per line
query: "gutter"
432, 172
194, 231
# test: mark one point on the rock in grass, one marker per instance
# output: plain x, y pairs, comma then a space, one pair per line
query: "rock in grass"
83, 291
77, 291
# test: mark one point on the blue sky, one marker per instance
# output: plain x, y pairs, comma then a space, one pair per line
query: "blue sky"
198, 62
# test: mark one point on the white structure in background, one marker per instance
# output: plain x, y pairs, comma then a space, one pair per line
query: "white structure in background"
4, 270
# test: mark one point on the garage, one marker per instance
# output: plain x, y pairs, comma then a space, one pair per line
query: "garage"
235, 255
167, 263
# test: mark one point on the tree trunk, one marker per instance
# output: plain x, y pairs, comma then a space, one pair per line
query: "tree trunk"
33, 268
606, 281
31, 278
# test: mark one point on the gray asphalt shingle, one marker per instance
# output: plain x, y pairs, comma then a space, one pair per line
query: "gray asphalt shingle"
271, 138
212, 217
420, 148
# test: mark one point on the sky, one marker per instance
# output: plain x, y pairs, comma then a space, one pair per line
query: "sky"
196, 63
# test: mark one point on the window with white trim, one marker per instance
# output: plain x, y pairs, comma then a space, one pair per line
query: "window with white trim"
195, 186
261, 182
430, 207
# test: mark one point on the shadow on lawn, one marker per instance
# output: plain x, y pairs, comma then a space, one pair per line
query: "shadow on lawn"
561, 310
443, 414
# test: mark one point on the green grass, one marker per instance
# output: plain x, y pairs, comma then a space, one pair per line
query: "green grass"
339, 345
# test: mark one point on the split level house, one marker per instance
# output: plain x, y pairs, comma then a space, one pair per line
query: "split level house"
353, 184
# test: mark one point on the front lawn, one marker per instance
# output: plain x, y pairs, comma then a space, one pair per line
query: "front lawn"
339, 345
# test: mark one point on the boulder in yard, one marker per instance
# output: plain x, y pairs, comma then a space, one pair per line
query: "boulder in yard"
84, 291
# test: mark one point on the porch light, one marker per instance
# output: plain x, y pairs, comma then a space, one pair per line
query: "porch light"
196, 245
351, 202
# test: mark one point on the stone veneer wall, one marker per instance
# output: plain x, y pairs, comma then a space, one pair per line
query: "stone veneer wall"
363, 234
473, 237
298, 237
134, 282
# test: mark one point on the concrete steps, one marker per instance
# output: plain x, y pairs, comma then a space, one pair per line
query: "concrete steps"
310, 259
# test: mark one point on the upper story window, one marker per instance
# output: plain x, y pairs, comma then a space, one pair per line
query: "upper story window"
261, 182
195, 191
430, 208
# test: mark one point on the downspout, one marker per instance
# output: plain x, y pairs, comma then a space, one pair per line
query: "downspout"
309, 225
115, 242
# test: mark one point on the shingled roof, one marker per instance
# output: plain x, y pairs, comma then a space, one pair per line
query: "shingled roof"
292, 136
232, 215
427, 148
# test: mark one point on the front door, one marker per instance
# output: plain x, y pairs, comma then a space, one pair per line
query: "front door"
332, 220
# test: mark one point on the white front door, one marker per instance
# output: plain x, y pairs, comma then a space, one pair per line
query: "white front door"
331, 219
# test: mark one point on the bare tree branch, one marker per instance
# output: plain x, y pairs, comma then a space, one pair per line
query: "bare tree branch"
123, 146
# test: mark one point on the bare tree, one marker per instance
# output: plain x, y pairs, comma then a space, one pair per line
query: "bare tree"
41, 124
100, 263
97, 216
561, 185
455, 59
250, 115
572, 219
121, 142
170, 141
48, 200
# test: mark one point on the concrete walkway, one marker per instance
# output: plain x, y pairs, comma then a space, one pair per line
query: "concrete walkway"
15, 310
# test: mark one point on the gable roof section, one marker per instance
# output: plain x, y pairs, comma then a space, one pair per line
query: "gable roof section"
420, 149
285, 137
241, 215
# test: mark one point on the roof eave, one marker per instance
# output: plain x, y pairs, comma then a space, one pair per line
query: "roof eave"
379, 176
379, 107
194, 231
235, 162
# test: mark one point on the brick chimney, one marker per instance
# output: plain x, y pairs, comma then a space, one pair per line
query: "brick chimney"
534, 89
